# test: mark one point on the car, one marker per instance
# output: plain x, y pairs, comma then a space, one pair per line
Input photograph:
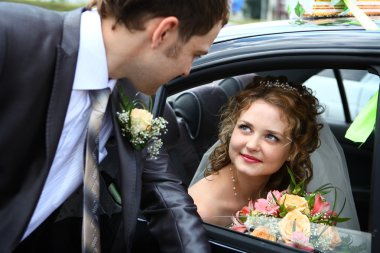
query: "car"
337, 58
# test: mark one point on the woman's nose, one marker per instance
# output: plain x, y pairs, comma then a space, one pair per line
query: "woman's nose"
253, 142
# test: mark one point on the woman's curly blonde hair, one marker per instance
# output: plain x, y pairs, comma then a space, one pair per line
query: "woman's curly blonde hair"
299, 106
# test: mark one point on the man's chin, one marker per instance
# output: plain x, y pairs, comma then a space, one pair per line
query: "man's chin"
142, 87
147, 90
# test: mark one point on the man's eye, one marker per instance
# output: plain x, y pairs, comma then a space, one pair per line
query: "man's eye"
196, 57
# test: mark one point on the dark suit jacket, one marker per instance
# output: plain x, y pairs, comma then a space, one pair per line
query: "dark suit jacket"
38, 54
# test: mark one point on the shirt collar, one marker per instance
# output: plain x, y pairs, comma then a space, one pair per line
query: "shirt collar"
91, 72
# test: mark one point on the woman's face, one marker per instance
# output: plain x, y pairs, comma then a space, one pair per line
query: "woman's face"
259, 145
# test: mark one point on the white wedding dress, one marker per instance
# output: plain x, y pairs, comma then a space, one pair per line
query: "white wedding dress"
329, 166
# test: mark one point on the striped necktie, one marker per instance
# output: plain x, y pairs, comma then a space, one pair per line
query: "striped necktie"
90, 226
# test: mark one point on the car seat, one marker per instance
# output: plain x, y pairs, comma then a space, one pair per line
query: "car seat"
197, 115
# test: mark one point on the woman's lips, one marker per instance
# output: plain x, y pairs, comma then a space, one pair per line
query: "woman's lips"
250, 159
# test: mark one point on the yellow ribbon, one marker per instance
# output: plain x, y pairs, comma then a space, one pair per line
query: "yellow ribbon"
360, 15
364, 123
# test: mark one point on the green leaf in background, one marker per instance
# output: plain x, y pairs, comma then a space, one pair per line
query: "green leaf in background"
299, 10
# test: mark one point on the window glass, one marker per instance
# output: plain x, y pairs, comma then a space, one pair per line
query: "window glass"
325, 88
360, 91
359, 85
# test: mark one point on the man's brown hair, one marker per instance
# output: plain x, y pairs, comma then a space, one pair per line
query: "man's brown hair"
196, 17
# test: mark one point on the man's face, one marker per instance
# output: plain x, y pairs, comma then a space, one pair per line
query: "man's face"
155, 67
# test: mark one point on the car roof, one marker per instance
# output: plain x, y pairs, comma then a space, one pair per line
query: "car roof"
341, 36
327, 43
231, 31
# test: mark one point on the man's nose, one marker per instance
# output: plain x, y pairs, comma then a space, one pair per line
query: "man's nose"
186, 70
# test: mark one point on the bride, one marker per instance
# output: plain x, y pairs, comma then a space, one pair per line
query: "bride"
270, 126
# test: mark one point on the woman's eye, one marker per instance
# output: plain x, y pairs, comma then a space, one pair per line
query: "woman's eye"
244, 128
272, 138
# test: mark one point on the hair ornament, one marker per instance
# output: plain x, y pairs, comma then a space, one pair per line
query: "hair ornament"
278, 84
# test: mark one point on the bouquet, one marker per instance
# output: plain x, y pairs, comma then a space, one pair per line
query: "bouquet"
294, 217
139, 126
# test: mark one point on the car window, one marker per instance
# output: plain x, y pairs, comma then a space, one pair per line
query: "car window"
359, 85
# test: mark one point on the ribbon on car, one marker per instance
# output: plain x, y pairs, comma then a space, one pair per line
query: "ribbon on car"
365, 121
360, 15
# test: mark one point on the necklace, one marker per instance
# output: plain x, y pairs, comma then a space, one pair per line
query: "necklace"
234, 184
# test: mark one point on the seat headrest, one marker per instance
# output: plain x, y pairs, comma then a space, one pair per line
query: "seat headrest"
199, 108
235, 84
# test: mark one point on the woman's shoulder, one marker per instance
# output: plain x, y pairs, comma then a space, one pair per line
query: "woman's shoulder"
203, 188
203, 196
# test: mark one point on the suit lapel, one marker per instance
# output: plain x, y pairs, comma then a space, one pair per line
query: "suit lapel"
67, 54
130, 168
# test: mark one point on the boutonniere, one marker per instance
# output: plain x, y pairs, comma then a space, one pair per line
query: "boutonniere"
139, 126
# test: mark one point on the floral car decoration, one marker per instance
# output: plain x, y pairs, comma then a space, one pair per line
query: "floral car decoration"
311, 9
334, 8
297, 218
139, 126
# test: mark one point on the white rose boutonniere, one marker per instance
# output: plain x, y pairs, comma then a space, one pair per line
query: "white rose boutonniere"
139, 126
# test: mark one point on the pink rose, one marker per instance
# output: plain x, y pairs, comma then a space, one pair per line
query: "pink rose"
237, 225
247, 209
239, 228
320, 205
301, 241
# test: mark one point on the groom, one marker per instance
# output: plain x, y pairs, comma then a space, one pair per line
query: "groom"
49, 63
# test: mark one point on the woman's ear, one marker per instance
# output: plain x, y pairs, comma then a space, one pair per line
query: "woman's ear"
166, 27
290, 156
292, 152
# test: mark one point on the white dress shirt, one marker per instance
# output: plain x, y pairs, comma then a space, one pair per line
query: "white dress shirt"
66, 172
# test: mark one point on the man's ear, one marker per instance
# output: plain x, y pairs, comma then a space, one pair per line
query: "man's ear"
165, 26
